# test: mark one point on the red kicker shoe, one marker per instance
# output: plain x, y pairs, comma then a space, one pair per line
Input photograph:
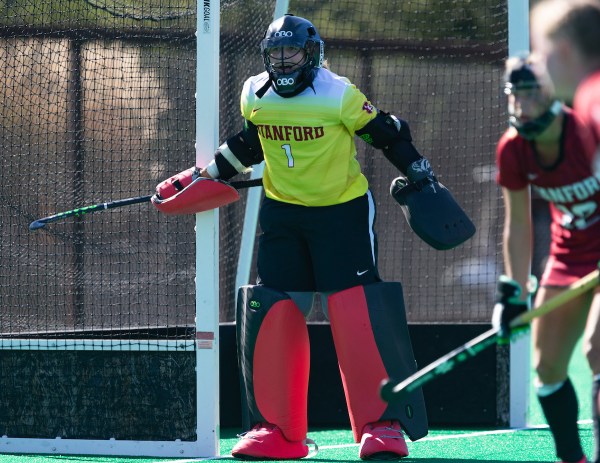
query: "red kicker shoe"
382, 440
265, 441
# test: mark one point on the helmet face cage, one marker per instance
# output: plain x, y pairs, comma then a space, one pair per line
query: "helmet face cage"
288, 78
520, 78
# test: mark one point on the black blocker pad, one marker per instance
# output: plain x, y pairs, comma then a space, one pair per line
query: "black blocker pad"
432, 212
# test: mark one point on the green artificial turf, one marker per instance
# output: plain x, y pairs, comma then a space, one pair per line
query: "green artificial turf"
441, 445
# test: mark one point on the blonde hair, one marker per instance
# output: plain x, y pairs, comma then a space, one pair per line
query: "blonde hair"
576, 20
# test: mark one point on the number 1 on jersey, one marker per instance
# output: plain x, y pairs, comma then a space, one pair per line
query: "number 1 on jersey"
288, 152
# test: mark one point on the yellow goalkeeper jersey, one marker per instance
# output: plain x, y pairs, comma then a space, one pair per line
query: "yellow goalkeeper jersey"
308, 139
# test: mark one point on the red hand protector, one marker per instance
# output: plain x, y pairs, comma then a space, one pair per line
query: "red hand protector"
181, 195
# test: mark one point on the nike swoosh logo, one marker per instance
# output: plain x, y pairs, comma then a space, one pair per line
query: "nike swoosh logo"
256, 110
361, 273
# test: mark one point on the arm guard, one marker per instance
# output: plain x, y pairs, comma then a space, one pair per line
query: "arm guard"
392, 135
237, 154
430, 209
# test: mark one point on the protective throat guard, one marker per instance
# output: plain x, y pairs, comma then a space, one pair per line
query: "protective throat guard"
182, 194
532, 129
432, 212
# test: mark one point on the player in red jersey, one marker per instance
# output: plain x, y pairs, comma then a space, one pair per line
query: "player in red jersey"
545, 150
567, 34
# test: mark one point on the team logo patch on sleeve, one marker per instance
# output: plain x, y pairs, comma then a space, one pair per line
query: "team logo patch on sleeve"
368, 107
367, 137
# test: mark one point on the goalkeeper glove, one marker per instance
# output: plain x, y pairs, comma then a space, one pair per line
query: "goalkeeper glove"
509, 305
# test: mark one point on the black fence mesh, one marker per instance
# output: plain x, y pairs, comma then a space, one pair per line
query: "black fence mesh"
98, 104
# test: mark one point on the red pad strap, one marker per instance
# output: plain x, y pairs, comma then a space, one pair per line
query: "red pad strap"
361, 366
281, 369
180, 194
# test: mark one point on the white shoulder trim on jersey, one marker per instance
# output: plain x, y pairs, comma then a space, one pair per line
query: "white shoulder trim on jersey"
255, 83
331, 77
329, 83
248, 97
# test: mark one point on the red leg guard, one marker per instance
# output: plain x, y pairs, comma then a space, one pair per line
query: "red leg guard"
274, 360
372, 343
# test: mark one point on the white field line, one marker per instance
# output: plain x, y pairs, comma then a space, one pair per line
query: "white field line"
425, 439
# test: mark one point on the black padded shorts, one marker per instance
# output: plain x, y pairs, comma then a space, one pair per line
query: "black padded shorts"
326, 248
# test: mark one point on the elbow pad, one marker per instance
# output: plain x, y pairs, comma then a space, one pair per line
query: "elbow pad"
383, 130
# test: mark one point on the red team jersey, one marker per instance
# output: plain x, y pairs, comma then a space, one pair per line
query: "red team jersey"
587, 107
572, 190
587, 104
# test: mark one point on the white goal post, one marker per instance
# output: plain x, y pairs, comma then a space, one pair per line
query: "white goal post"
520, 351
207, 232
207, 228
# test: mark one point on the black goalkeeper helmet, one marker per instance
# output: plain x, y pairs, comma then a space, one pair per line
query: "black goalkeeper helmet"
522, 75
288, 75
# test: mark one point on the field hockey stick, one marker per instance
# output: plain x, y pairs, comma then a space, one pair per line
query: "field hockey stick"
41, 223
391, 392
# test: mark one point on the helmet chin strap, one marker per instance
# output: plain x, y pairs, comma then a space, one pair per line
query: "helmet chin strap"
530, 130
262, 90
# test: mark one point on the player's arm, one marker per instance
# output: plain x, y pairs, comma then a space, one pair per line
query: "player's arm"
236, 155
431, 210
393, 137
517, 235
515, 287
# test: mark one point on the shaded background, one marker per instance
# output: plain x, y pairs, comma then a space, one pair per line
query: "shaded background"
98, 104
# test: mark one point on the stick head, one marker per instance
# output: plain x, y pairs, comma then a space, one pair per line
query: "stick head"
36, 224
